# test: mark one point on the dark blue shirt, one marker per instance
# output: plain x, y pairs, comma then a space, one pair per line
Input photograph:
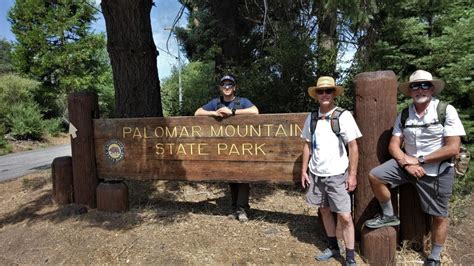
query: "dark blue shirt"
213, 104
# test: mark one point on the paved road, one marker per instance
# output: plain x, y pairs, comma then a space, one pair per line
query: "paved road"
23, 163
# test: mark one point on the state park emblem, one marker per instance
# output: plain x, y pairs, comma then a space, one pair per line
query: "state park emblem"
114, 150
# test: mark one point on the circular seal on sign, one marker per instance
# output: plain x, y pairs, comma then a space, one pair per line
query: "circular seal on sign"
114, 150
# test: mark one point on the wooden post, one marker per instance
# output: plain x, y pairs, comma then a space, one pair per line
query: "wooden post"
61, 173
378, 246
112, 196
83, 107
375, 113
414, 223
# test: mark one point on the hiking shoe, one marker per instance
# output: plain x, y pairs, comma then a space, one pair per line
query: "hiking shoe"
242, 216
350, 262
381, 220
327, 254
432, 262
233, 216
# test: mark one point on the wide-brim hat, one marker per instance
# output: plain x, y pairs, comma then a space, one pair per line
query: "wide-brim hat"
325, 83
420, 76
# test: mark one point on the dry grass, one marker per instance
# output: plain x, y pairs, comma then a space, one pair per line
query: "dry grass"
171, 223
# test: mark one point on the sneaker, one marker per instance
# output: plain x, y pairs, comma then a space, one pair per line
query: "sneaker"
327, 254
432, 262
233, 216
242, 216
381, 220
350, 262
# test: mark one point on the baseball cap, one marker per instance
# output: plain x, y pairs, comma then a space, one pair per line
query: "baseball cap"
227, 77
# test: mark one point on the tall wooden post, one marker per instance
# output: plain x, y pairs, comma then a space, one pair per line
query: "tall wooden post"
375, 111
83, 107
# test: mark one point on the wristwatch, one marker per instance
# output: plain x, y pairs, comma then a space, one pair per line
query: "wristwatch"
233, 111
421, 159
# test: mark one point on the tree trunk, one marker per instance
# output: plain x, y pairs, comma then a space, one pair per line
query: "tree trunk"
327, 39
133, 55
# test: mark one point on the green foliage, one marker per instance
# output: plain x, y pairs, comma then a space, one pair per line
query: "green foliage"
53, 126
6, 65
198, 86
4, 147
26, 121
56, 47
13, 91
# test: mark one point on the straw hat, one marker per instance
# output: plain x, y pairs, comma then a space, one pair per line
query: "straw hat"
420, 76
325, 82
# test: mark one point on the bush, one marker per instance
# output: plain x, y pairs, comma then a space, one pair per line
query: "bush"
13, 91
26, 121
54, 126
4, 147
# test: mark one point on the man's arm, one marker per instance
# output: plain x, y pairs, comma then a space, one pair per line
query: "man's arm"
247, 111
351, 182
202, 112
304, 165
451, 147
394, 148
226, 112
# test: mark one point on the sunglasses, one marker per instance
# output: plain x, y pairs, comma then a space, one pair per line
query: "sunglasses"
423, 86
327, 91
227, 85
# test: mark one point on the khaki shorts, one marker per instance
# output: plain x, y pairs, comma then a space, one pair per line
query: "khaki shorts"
434, 191
329, 191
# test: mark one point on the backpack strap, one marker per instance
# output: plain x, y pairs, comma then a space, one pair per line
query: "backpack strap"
441, 111
335, 126
220, 102
403, 119
237, 102
313, 122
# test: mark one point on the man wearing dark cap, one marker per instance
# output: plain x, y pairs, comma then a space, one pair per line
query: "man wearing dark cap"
228, 104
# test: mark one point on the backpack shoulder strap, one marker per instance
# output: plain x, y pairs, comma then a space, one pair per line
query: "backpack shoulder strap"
313, 122
237, 102
220, 102
441, 111
335, 126
403, 118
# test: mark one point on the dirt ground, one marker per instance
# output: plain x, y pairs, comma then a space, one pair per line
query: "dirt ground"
176, 223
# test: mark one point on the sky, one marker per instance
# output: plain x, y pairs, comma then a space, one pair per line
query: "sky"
162, 16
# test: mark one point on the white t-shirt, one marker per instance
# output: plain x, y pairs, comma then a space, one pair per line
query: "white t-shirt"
329, 157
425, 140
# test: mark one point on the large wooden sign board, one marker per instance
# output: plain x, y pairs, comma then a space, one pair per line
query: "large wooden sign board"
247, 148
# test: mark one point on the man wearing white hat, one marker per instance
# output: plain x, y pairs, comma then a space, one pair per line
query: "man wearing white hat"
332, 173
425, 160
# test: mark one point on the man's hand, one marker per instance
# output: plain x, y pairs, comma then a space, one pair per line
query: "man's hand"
224, 112
351, 183
415, 170
305, 180
407, 160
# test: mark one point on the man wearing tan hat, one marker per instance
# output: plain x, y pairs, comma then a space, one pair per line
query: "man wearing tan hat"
429, 144
332, 173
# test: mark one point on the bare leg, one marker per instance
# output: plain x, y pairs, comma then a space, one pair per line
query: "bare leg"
328, 220
381, 191
345, 219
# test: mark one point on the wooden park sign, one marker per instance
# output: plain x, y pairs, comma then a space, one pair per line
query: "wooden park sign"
247, 148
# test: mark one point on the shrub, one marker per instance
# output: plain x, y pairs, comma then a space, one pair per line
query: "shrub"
4, 147
53, 126
13, 91
26, 121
